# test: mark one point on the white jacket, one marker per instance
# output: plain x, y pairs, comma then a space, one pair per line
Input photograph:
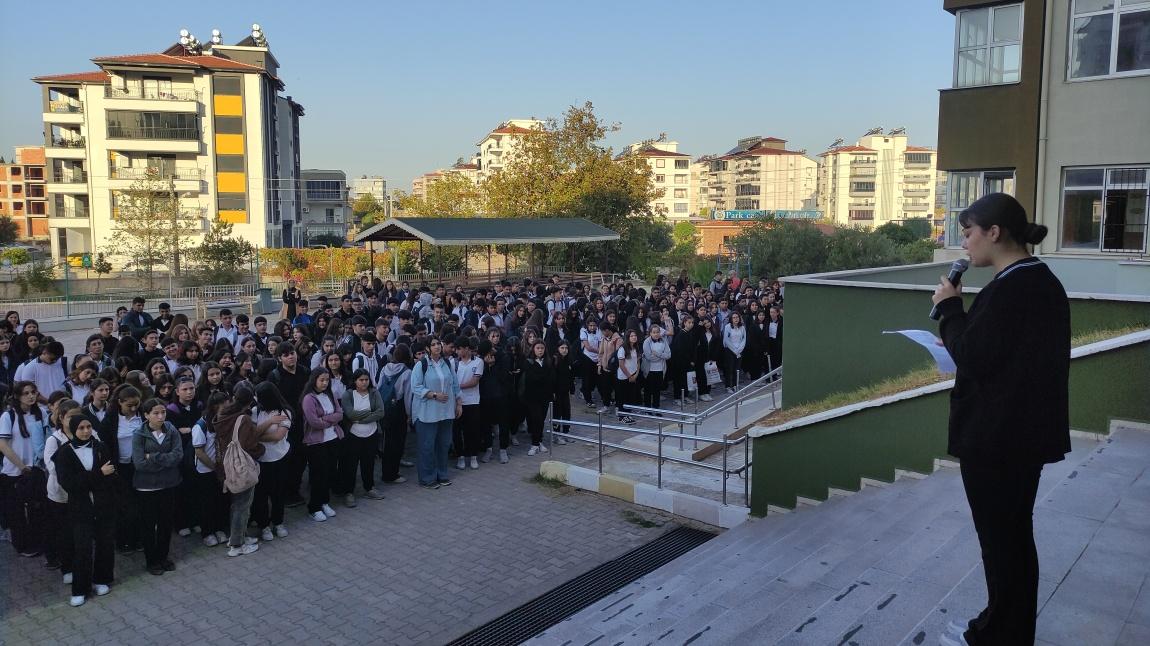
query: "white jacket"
735, 339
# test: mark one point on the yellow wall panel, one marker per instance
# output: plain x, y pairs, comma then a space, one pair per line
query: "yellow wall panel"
229, 106
229, 144
234, 217
231, 183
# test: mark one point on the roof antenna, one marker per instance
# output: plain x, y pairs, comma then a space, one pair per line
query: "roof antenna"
258, 35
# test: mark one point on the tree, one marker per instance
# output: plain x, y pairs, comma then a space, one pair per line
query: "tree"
850, 248
40, 277
785, 247
9, 230
897, 233
222, 257
564, 170
101, 266
367, 210
453, 196
150, 227
686, 244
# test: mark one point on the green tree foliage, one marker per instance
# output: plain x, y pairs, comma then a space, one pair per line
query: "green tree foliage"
16, 256
452, 196
897, 233
9, 230
222, 258
364, 205
101, 266
38, 279
150, 228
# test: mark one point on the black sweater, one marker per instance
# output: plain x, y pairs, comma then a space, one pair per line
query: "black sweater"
1010, 403
90, 492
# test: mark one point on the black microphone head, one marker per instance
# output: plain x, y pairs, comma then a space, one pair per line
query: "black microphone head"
960, 266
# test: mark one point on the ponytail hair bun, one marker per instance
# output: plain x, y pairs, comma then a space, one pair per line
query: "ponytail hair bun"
1035, 233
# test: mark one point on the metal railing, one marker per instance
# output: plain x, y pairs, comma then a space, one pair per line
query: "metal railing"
69, 212
181, 173
70, 142
65, 106
153, 132
69, 177
151, 94
683, 419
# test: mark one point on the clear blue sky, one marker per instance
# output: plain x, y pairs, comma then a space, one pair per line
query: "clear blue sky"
398, 89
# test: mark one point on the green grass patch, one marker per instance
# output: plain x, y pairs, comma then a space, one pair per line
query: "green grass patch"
638, 519
918, 378
548, 483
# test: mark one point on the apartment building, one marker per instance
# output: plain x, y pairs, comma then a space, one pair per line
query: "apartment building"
501, 143
671, 173
879, 179
759, 173
374, 186
1049, 103
23, 195
207, 117
326, 206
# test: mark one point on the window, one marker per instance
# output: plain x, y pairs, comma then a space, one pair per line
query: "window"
966, 187
660, 163
1109, 37
15, 171
229, 125
917, 158
1104, 209
988, 46
329, 215
326, 190
680, 207
681, 193
660, 178
129, 124
862, 187
226, 85
862, 214
230, 163
231, 201
682, 164
680, 179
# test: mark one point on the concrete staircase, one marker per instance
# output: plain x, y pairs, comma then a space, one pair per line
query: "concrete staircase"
894, 564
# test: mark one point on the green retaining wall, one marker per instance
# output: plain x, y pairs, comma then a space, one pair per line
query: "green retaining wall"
834, 341
909, 434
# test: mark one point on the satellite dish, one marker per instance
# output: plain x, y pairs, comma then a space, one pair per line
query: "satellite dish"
216, 33
255, 26
184, 41
184, 33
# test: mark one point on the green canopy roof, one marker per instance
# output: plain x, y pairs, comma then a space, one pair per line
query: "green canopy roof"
454, 232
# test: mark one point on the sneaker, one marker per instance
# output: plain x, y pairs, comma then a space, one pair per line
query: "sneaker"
168, 565
560, 440
221, 538
294, 500
100, 589
514, 441
445, 483
251, 540
77, 601
706, 398
156, 570
211, 541
406, 463
591, 406
430, 485
267, 535
327, 510
348, 501
196, 529
533, 450
318, 517
474, 464
461, 463
950, 639
398, 480
543, 448
956, 628
373, 494
627, 419
67, 578
244, 550
486, 456
281, 531
185, 532
503, 457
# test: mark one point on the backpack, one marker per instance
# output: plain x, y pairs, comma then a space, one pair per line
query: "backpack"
241, 471
387, 392
613, 362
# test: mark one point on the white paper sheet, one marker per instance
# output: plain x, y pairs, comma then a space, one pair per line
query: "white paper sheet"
929, 341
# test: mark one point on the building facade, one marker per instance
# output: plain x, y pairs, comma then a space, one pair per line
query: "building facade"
207, 119
1049, 103
23, 195
759, 173
879, 179
671, 173
326, 208
500, 144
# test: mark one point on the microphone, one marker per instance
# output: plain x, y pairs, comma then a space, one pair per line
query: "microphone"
957, 269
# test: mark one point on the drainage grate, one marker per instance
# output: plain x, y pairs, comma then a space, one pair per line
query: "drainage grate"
554, 606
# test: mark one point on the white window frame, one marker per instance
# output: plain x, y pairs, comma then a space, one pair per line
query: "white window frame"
1102, 225
1117, 11
990, 44
953, 237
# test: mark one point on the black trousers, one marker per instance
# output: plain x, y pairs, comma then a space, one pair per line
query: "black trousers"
591, 375
58, 545
470, 428
627, 393
606, 387
187, 513
127, 509
652, 388
1001, 499
562, 410
358, 454
157, 509
679, 379
320, 462
212, 504
271, 491
701, 379
394, 442
93, 544
731, 373
297, 458
26, 516
536, 416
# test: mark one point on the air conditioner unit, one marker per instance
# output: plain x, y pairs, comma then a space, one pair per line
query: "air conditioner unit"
306, 210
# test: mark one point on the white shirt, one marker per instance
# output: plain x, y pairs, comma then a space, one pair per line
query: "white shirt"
125, 428
465, 371
594, 338
201, 439
329, 433
774, 329
56, 493
631, 363
362, 402
31, 448
277, 450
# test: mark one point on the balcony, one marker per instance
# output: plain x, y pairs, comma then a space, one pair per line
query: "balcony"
916, 179
154, 139
861, 191
152, 99
66, 147
69, 177
192, 173
856, 163
915, 206
916, 192
863, 171
66, 107
861, 214
70, 212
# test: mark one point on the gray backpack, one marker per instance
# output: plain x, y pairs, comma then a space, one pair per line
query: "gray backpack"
241, 471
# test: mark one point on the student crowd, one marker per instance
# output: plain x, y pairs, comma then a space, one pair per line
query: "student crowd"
159, 424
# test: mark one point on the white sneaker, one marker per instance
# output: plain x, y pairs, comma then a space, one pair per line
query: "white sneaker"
543, 448
474, 462
677, 403
503, 457
211, 541
706, 398
318, 517
560, 440
221, 538
514, 441
281, 531
533, 450
486, 456
185, 532
67, 578
77, 601
328, 511
244, 550
251, 540
461, 463
100, 589
267, 534
950, 639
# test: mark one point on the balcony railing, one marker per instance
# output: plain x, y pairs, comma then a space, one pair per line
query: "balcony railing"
190, 173
151, 94
916, 192
863, 162
916, 206
916, 179
70, 177
70, 142
153, 132
65, 106
863, 171
70, 212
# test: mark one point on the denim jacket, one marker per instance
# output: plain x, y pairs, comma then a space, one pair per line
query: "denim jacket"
440, 378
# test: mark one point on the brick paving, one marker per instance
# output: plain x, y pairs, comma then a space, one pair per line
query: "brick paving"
420, 567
